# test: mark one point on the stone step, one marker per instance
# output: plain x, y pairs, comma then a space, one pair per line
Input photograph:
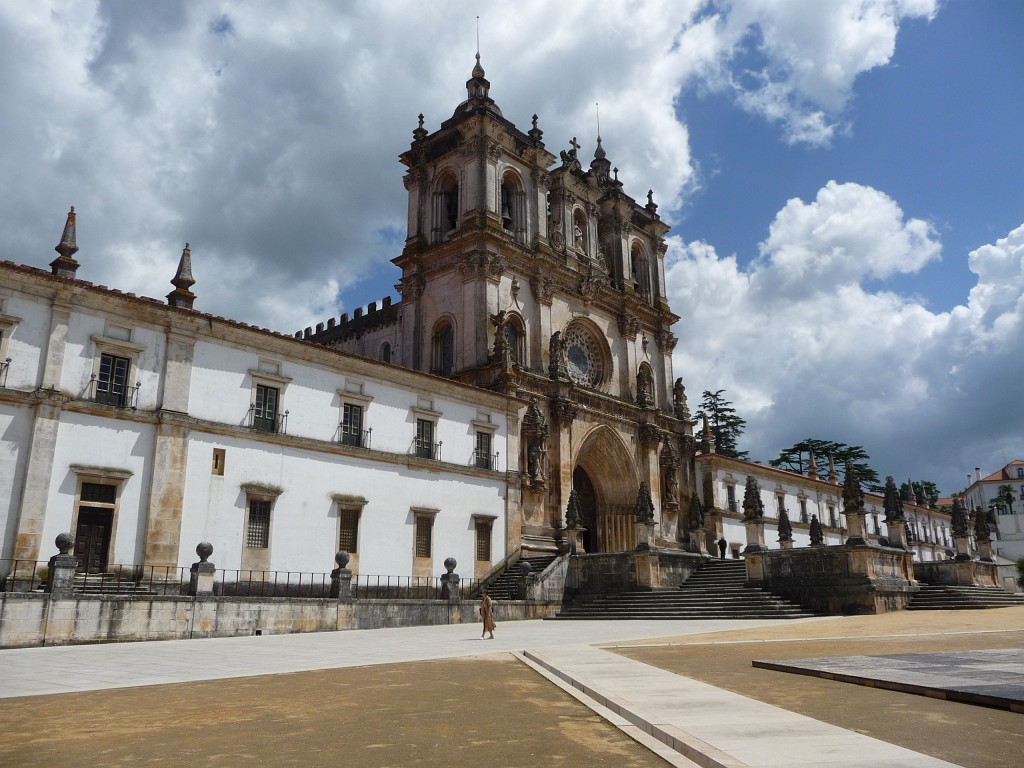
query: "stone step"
941, 597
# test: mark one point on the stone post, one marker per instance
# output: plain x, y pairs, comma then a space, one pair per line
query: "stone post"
341, 578
200, 580
450, 582
60, 578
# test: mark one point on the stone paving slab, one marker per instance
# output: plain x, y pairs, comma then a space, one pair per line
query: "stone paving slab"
713, 727
992, 678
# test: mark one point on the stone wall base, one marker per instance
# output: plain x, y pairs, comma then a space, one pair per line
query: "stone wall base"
628, 571
34, 619
842, 579
958, 573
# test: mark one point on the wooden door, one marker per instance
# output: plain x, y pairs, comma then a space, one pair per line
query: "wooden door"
92, 538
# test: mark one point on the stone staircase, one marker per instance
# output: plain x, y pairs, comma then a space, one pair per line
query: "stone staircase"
942, 597
107, 584
506, 585
715, 591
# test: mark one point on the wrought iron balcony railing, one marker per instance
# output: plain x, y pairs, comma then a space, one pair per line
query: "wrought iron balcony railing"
484, 460
260, 421
109, 392
357, 438
426, 450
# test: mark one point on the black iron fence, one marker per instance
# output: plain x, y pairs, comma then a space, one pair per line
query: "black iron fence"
374, 587
110, 392
4, 367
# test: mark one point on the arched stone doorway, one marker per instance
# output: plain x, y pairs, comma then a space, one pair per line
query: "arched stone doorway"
605, 478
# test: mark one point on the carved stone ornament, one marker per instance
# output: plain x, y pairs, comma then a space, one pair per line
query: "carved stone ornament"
564, 411
494, 151
696, 516
666, 341
542, 288
495, 266
573, 515
650, 435
785, 528
679, 406
556, 357
412, 286
645, 387
558, 241
590, 281
534, 437
629, 326
982, 529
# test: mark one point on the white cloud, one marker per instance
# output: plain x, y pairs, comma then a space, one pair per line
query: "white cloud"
795, 61
807, 345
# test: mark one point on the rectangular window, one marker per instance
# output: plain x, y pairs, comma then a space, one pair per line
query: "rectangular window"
257, 535
219, 456
832, 516
264, 415
424, 531
730, 495
348, 530
96, 493
483, 450
780, 502
112, 380
352, 425
425, 439
803, 511
483, 541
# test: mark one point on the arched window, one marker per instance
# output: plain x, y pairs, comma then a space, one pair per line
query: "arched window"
516, 338
641, 271
445, 212
513, 205
442, 359
385, 352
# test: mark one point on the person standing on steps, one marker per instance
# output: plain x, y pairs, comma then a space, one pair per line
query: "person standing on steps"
487, 614
722, 544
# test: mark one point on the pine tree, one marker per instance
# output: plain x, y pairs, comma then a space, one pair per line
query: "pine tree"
796, 458
726, 426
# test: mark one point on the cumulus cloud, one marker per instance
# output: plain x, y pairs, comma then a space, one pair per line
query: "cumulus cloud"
807, 343
795, 61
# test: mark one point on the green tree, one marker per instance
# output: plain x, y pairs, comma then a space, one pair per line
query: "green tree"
796, 458
926, 487
726, 426
1006, 494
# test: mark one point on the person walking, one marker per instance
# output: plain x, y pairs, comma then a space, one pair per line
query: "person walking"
487, 614
722, 544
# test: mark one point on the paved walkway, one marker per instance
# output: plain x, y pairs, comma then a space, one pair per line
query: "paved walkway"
683, 720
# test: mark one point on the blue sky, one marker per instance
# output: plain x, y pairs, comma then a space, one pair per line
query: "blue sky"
843, 178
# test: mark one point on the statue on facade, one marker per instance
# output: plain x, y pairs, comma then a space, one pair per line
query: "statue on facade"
679, 406
502, 351
534, 438
556, 357
644, 387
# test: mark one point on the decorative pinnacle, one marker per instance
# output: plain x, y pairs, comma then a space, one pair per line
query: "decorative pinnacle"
183, 277
67, 247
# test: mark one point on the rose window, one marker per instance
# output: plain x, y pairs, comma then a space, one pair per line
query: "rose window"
582, 358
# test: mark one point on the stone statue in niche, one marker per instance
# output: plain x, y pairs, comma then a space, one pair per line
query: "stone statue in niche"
556, 357
682, 411
577, 237
534, 437
536, 462
500, 322
644, 387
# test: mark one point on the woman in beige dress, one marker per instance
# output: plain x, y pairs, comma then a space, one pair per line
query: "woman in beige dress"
487, 614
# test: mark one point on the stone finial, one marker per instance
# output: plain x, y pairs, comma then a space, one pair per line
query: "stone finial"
982, 530
753, 507
817, 535
958, 521
204, 549
696, 516
785, 527
182, 281
535, 133
644, 504
853, 496
64, 265
342, 558
651, 206
812, 469
891, 501
64, 542
419, 132
573, 515
707, 437
450, 563
832, 476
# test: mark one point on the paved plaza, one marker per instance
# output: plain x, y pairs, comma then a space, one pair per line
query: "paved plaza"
592, 693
